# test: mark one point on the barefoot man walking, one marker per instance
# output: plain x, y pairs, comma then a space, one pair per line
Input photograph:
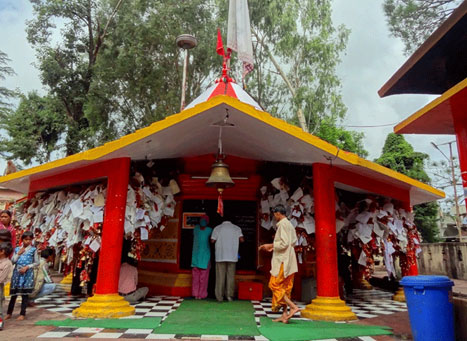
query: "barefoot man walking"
283, 265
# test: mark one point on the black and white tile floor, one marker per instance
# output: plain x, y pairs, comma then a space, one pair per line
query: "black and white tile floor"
156, 306
372, 303
364, 303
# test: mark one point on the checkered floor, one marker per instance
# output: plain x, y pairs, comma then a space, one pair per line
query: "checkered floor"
372, 303
364, 303
100, 333
156, 306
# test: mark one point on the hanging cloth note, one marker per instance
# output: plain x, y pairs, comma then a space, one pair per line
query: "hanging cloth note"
220, 205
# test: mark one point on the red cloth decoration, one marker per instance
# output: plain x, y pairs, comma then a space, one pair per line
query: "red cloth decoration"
220, 205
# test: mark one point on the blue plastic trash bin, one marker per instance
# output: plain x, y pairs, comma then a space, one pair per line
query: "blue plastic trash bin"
429, 301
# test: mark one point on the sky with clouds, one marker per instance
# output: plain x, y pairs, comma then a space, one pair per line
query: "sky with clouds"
371, 58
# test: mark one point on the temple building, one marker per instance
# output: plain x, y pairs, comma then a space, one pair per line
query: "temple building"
269, 161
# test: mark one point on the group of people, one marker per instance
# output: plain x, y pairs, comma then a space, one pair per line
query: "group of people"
30, 276
20, 265
227, 238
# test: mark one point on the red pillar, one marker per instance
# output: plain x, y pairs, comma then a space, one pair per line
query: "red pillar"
325, 216
112, 231
460, 126
327, 306
413, 268
107, 303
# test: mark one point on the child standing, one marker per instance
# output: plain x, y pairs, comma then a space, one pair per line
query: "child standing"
25, 259
5, 271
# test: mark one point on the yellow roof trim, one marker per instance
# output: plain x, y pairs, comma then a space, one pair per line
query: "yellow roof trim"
430, 106
107, 148
351, 158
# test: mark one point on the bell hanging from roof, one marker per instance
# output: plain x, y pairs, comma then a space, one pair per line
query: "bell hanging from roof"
220, 176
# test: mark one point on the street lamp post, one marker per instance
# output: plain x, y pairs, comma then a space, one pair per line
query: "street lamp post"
454, 183
186, 42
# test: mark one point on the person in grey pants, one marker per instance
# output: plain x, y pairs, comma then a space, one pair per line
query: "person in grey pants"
227, 237
128, 281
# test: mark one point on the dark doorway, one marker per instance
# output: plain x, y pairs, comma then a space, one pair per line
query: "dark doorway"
243, 213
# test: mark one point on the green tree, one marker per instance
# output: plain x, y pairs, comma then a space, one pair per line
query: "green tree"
442, 178
414, 20
115, 67
400, 156
139, 73
344, 139
67, 66
5, 94
36, 126
297, 49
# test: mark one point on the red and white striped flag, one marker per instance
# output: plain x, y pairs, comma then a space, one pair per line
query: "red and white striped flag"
239, 33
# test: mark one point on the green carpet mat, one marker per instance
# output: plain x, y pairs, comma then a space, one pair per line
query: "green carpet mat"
298, 330
142, 323
208, 317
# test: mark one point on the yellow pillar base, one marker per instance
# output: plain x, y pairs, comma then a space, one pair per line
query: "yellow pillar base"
104, 306
328, 309
399, 296
68, 279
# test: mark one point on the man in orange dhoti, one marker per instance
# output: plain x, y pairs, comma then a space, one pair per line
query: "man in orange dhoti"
283, 265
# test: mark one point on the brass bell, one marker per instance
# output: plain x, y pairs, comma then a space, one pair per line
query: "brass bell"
220, 177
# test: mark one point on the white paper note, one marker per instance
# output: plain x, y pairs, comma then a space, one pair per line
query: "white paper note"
265, 206
98, 217
294, 222
76, 208
267, 224
95, 245
362, 259
276, 183
297, 194
309, 224
296, 213
139, 214
169, 211
144, 234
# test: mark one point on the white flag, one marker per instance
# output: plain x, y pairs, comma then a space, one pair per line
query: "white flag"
239, 33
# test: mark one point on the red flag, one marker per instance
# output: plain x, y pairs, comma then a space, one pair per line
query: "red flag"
220, 45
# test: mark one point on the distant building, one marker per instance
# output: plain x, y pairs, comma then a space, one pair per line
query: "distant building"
7, 196
447, 224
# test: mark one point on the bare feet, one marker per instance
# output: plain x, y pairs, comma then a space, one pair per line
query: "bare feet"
293, 311
20, 318
8, 316
281, 319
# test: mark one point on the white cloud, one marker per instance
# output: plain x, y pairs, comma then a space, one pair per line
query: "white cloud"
373, 56
13, 14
